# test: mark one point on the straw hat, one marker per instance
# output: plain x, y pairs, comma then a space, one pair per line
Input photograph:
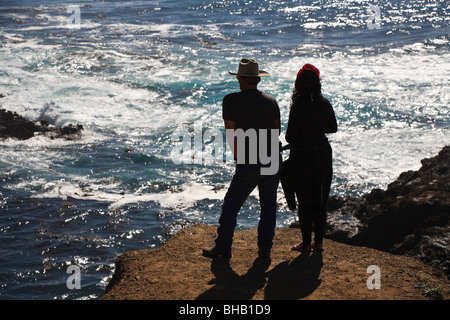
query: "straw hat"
249, 68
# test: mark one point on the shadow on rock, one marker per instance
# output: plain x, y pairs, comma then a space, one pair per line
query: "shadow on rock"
295, 279
287, 281
231, 286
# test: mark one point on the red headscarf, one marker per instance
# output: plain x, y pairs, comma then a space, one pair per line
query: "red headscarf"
308, 67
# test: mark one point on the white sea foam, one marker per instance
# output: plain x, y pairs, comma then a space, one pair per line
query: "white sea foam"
365, 154
409, 85
181, 197
403, 98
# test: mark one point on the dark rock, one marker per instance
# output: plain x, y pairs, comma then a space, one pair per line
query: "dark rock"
410, 217
16, 126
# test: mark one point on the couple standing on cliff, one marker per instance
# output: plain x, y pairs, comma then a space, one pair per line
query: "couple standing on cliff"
307, 173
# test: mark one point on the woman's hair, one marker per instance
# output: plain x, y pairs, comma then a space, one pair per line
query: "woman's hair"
307, 86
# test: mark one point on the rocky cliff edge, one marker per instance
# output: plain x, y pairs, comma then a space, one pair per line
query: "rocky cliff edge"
178, 271
396, 248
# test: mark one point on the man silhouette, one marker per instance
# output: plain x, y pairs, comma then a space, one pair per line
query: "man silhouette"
250, 110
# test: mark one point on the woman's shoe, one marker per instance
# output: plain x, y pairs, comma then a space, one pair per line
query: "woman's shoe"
317, 246
300, 247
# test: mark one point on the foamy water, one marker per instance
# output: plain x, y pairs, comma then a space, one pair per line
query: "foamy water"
134, 72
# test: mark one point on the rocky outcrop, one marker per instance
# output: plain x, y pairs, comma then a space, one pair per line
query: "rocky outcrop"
403, 230
13, 125
178, 271
410, 217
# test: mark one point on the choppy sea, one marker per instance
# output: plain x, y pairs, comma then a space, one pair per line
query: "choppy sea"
134, 72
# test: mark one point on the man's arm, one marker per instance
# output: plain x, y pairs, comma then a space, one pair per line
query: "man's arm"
230, 126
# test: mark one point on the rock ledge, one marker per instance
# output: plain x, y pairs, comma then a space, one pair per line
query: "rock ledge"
178, 271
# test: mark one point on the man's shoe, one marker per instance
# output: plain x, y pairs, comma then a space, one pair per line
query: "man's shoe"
217, 252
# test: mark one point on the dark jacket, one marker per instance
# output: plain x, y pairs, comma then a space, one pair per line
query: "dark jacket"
309, 121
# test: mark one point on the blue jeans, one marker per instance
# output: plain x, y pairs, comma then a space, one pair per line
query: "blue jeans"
245, 180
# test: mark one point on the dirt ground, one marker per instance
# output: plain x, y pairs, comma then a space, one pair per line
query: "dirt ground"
178, 271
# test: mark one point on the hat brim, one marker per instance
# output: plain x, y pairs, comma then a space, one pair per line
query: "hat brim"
261, 74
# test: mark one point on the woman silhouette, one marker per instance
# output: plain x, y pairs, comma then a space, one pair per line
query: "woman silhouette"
311, 117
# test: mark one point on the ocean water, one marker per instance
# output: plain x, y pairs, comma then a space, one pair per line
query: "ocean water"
136, 73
